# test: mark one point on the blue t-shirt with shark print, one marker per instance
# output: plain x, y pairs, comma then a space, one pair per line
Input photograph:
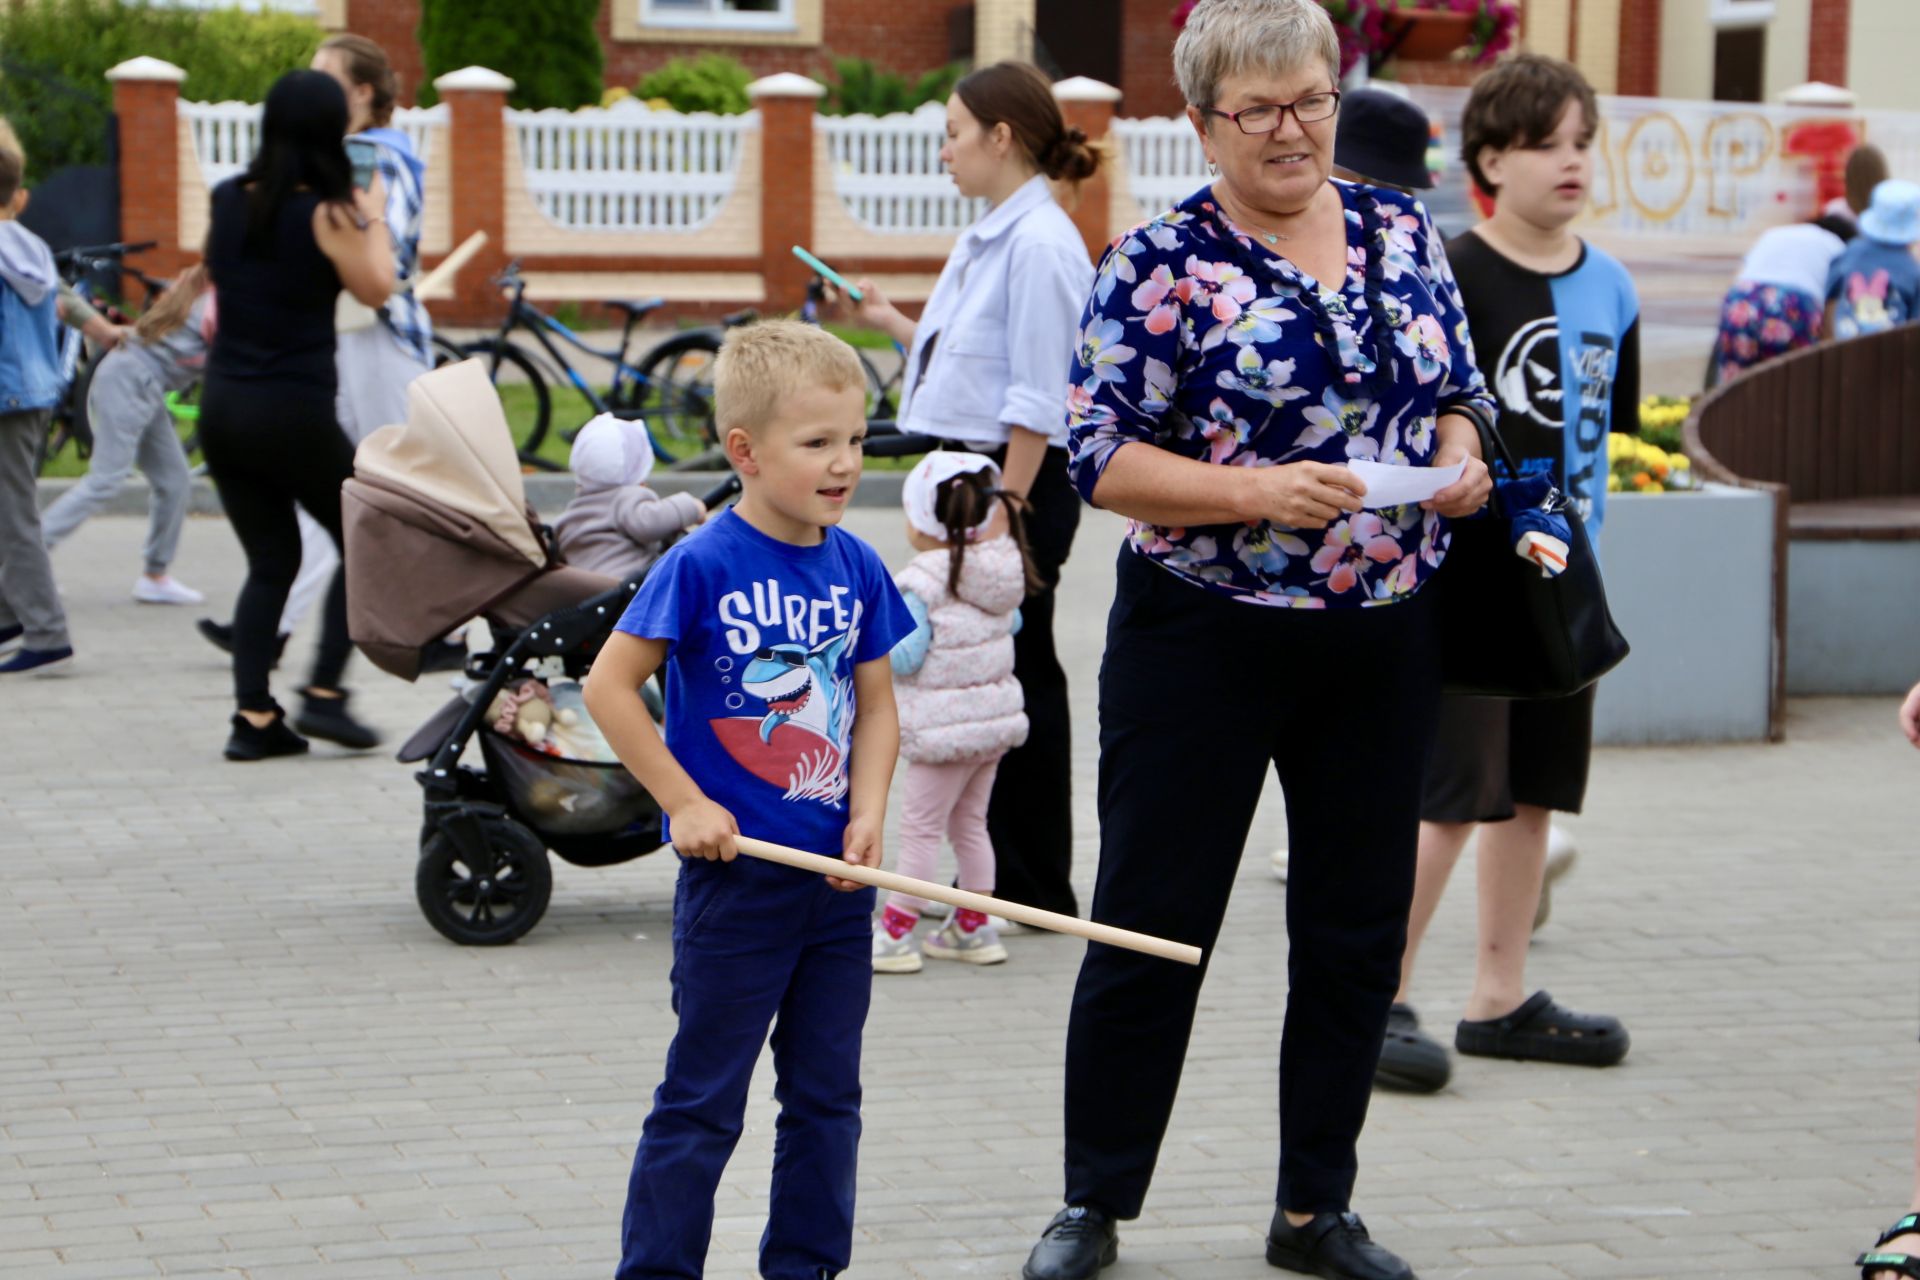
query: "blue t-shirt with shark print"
763, 637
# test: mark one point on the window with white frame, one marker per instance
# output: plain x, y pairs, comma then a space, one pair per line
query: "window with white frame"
1741, 13
720, 15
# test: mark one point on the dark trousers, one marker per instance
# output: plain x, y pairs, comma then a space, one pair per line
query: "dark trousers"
1199, 694
269, 449
1030, 816
756, 943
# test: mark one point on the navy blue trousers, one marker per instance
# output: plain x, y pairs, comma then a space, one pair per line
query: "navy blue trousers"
756, 943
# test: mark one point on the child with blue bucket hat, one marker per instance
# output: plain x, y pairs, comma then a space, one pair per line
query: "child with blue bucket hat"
1874, 284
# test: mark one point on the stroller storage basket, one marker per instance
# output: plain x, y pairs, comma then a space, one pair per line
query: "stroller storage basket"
565, 797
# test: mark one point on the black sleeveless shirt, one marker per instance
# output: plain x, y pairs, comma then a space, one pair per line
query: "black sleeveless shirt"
276, 306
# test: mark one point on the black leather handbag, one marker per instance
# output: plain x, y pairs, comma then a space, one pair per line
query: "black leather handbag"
1507, 631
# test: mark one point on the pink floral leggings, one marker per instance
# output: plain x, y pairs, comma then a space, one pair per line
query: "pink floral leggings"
950, 800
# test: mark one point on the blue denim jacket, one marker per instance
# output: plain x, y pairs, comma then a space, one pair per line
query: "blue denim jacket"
29, 333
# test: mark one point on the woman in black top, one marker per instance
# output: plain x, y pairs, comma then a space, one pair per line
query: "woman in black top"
285, 237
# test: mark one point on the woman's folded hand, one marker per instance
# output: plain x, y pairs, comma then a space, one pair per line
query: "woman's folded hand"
1304, 495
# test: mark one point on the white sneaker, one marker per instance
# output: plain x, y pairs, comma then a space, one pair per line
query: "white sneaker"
1562, 852
894, 955
1279, 861
982, 946
168, 590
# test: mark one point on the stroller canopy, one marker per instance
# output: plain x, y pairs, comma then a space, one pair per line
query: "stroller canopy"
456, 450
436, 523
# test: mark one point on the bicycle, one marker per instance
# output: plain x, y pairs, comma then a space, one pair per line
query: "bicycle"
77, 361
883, 399
670, 386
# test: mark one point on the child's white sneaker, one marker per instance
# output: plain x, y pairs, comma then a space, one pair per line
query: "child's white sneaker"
168, 590
979, 946
894, 955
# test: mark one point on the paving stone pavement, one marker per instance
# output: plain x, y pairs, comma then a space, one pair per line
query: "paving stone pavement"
230, 1046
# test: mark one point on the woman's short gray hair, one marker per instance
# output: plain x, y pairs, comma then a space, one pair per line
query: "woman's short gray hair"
1223, 38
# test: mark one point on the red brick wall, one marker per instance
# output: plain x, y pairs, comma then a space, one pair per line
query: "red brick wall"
1639, 66
391, 25
907, 36
1146, 60
1827, 51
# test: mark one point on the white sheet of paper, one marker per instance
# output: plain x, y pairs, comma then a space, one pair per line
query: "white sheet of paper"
1391, 486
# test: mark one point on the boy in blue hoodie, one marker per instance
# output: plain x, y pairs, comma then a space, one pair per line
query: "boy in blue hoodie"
31, 618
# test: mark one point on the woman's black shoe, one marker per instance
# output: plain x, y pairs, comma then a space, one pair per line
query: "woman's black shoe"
1076, 1244
250, 743
1334, 1246
327, 718
1411, 1060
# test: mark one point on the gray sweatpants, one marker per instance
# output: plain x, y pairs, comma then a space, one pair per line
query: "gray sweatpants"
27, 597
131, 427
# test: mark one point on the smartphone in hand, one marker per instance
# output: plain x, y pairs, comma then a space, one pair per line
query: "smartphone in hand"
362, 154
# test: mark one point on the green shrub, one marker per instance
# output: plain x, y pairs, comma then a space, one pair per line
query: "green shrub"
549, 48
711, 82
54, 55
865, 89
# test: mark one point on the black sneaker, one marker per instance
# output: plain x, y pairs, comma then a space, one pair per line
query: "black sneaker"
250, 743
1411, 1060
327, 718
1334, 1246
220, 636
1075, 1246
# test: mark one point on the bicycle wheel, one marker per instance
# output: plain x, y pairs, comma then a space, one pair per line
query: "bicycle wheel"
675, 392
879, 403
446, 352
70, 425
510, 368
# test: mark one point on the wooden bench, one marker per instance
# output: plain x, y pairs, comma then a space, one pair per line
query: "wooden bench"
1834, 434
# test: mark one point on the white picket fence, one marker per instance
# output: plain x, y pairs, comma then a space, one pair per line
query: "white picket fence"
226, 134
1163, 161
887, 172
627, 168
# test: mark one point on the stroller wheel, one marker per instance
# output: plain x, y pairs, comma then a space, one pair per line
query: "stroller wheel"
490, 905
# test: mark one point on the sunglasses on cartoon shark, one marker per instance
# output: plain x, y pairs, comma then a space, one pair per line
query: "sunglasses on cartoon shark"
791, 657
1265, 117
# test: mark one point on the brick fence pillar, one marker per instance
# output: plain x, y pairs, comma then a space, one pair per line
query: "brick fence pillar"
1088, 105
786, 103
476, 143
1830, 38
146, 108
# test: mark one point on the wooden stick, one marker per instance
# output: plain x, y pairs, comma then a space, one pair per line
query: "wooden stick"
1015, 911
444, 273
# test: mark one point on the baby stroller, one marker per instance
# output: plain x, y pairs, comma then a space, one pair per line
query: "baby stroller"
438, 532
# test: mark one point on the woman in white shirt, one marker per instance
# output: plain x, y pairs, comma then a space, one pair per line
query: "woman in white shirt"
987, 368
1777, 300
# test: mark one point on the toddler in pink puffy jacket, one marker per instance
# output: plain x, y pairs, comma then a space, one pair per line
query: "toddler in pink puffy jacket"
960, 705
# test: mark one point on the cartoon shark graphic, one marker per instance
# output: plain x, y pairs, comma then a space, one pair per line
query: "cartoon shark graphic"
799, 687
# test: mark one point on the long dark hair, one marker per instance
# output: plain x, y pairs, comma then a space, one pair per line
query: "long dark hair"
963, 501
302, 144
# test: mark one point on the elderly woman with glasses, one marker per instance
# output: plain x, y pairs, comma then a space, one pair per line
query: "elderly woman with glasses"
1241, 353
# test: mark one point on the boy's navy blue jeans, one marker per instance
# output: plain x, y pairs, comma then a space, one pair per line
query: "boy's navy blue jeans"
756, 943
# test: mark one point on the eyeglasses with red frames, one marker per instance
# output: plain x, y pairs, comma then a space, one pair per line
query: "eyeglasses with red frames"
1265, 117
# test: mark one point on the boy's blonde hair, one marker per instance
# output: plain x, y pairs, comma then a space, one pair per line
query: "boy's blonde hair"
762, 362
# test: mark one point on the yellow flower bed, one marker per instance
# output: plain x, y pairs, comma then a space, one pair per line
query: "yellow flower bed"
1640, 466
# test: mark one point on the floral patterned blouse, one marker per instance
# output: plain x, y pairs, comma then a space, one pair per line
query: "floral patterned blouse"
1200, 342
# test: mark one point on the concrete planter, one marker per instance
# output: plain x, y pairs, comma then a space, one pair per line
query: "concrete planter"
1690, 580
